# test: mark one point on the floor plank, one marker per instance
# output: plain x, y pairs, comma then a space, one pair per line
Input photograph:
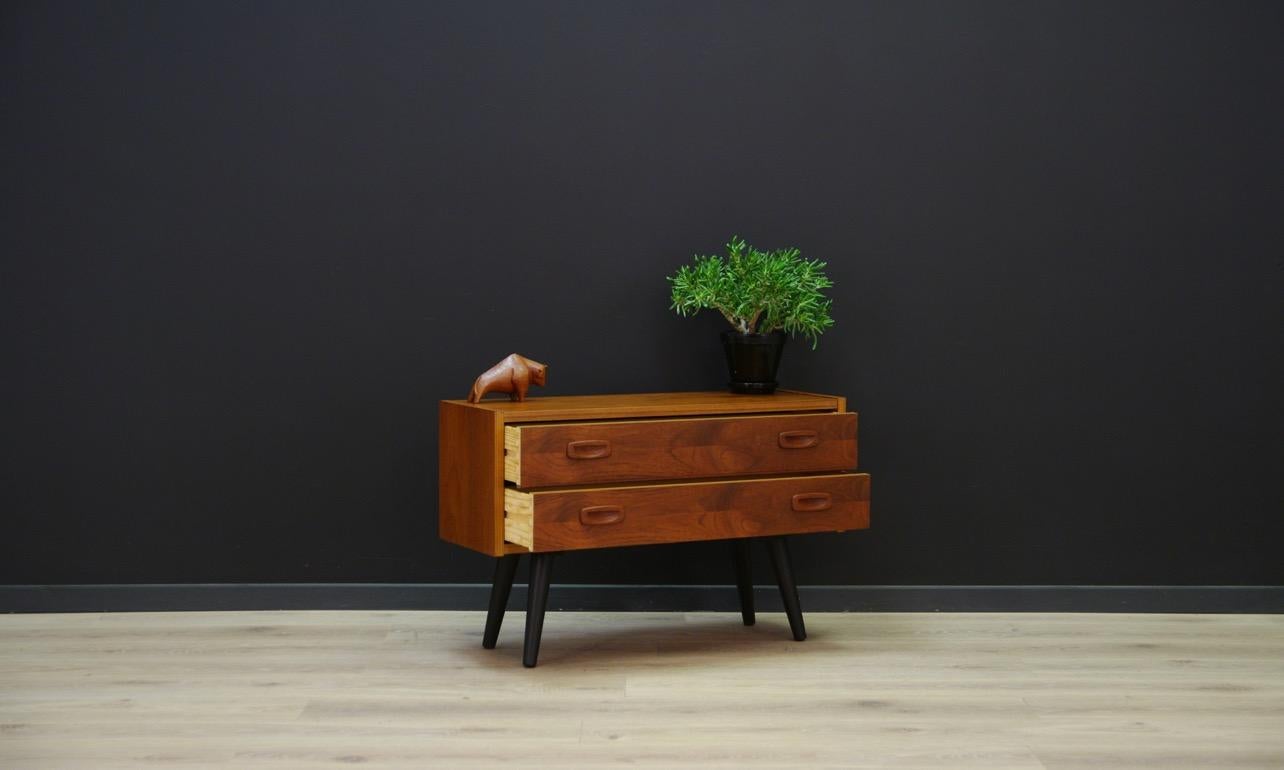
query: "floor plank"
415, 689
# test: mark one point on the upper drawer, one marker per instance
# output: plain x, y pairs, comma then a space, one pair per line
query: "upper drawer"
557, 454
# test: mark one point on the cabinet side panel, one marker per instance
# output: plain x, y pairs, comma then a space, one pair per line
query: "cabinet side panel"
469, 479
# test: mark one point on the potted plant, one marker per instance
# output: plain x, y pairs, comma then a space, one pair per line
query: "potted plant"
763, 295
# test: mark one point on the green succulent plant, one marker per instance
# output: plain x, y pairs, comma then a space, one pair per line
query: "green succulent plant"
758, 292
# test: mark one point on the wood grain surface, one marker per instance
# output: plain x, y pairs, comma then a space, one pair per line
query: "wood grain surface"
475, 452
646, 450
470, 478
659, 690
680, 512
631, 405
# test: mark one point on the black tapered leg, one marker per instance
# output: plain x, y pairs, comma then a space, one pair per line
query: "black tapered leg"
536, 603
788, 591
744, 579
500, 588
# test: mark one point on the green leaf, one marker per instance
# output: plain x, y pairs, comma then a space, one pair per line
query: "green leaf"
757, 290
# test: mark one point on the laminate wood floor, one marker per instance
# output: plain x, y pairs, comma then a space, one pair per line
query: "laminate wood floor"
301, 689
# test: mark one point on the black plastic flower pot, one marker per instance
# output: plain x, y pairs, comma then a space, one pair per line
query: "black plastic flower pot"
752, 360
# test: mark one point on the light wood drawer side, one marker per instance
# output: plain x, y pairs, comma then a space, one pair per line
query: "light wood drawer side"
519, 518
513, 454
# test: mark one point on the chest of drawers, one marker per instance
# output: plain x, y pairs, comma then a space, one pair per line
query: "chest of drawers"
565, 473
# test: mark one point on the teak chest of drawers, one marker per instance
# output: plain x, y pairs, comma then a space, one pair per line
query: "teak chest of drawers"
565, 473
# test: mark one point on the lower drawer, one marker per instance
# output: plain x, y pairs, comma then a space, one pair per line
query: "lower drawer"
599, 517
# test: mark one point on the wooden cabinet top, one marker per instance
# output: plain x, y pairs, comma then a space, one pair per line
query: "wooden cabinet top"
624, 405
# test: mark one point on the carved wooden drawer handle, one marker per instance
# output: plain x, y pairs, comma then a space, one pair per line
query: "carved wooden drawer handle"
813, 501
798, 439
588, 450
601, 514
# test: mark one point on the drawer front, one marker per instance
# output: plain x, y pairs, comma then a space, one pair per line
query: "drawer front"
653, 450
668, 513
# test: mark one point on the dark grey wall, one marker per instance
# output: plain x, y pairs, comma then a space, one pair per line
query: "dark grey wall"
248, 246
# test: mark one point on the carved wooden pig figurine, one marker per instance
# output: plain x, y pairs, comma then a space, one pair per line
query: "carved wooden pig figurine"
513, 376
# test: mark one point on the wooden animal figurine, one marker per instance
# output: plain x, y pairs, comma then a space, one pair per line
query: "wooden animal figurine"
513, 376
